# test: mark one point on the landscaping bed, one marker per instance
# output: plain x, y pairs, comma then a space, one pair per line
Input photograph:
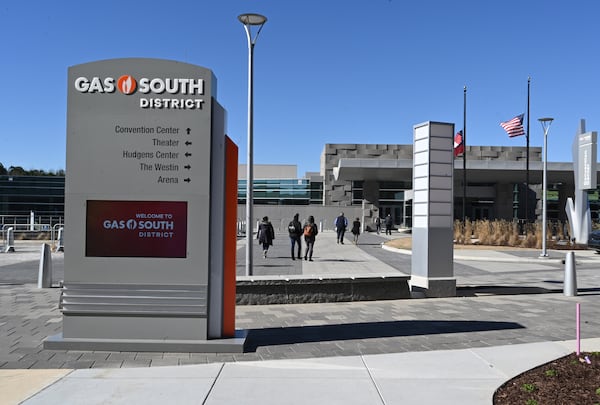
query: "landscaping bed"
569, 380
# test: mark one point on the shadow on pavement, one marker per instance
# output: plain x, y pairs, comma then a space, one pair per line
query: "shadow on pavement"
321, 333
342, 260
473, 291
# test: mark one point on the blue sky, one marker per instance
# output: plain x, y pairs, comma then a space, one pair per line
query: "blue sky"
326, 71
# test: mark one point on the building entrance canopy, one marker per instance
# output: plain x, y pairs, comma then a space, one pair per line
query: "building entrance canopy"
479, 171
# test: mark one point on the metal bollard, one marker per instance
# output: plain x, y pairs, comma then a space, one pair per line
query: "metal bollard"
570, 282
45, 268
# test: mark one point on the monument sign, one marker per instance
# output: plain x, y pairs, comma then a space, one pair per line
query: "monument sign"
149, 177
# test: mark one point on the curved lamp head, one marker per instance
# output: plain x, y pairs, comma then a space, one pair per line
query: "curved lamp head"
252, 19
546, 121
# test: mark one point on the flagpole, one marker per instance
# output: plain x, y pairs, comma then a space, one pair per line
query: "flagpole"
464, 140
527, 151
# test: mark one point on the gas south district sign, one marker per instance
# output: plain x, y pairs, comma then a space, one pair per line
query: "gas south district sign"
136, 228
150, 258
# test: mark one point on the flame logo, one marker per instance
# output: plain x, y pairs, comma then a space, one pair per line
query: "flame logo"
127, 84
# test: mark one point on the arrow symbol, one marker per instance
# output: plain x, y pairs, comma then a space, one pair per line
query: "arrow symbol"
187, 180
187, 167
188, 143
188, 154
188, 130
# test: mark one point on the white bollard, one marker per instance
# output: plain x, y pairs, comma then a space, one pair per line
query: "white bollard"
60, 247
10, 240
45, 269
570, 283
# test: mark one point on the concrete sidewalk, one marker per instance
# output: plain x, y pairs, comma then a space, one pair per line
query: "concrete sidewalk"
508, 317
467, 376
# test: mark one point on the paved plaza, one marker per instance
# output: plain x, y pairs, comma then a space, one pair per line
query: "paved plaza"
506, 300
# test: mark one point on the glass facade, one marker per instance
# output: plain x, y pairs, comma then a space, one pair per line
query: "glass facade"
282, 192
357, 192
392, 201
44, 195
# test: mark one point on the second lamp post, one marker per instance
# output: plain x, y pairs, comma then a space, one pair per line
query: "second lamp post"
249, 21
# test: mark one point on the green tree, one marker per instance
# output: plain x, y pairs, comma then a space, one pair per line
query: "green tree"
16, 171
19, 171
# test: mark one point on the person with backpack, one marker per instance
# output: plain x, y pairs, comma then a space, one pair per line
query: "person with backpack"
265, 235
356, 230
341, 223
295, 231
310, 233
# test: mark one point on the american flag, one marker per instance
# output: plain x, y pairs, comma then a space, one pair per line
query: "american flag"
514, 127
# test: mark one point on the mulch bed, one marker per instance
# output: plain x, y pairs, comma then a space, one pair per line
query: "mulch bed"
565, 381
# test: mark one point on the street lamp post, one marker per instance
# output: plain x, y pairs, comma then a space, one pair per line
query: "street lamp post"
545, 126
249, 21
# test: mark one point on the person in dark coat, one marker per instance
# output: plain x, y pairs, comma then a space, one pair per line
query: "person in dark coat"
310, 233
341, 223
265, 235
356, 230
389, 224
295, 232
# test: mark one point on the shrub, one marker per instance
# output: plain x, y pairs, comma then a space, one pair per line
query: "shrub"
468, 232
528, 387
459, 232
506, 233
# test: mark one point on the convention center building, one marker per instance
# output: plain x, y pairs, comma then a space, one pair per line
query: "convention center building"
364, 180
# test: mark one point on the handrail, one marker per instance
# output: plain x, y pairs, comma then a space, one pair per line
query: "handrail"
54, 231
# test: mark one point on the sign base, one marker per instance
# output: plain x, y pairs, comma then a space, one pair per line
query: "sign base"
225, 345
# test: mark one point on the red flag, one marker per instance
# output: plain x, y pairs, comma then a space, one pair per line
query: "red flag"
459, 146
514, 127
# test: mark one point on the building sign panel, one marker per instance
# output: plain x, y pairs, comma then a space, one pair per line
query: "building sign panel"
136, 229
586, 161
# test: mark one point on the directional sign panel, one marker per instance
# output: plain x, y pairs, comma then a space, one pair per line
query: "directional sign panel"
138, 171
133, 130
586, 171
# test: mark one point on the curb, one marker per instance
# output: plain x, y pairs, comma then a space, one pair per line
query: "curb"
499, 259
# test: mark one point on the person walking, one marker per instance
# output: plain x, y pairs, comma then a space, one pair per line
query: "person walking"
341, 223
356, 230
310, 232
377, 221
265, 235
295, 231
389, 224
